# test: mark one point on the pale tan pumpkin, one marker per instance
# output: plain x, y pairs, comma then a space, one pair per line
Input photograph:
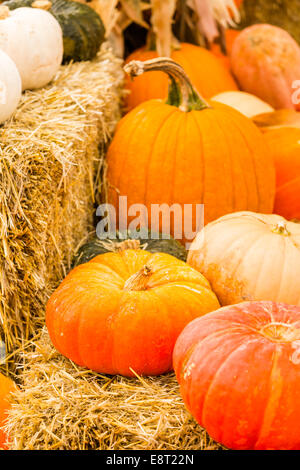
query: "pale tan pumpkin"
249, 256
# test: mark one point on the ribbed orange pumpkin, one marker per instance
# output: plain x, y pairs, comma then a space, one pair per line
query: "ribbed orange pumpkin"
124, 311
6, 386
206, 72
189, 152
265, 60
249, 256
239, 375
284, 144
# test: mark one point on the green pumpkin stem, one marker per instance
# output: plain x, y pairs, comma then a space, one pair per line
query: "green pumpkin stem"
182, 94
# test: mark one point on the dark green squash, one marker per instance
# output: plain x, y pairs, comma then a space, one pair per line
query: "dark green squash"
124, 240
83, 30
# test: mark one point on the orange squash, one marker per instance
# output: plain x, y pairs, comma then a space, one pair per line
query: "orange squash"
123, 311
249, 256
265, 60
239, 375
206, 72
284, 144
6, 387
188, 151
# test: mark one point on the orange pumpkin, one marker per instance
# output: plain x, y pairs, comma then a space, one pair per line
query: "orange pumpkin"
187, 151
265, 60
239, 375
124, 311
6, 387
285, 146
249, 256
206, 72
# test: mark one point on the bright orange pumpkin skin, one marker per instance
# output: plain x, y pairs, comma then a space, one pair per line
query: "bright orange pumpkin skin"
6, 386
97, 322
239, 375
265, 60
284, 144
206, 72
216, 157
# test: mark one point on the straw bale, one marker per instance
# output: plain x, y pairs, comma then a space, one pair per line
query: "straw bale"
51, 156
65, 407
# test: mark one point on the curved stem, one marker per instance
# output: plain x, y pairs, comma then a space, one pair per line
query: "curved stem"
190, 98
138, 281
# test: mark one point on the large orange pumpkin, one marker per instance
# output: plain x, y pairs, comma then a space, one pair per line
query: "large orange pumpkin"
239, 374
206, 72
284, 144
249, 256
124, 311
265, 60
6, 387
187, 151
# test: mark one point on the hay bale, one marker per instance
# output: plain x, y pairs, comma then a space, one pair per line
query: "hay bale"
62, 406
51, 153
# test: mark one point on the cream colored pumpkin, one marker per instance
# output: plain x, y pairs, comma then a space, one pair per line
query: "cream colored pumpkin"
10, 87
249, 256
245, 103
33, 39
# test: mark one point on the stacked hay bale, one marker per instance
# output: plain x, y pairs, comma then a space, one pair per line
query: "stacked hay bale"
61, 406
51, 155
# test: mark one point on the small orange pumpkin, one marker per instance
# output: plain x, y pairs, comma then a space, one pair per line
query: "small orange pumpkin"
239, 375
189, 151
6, 387
206, 72
122, 312
284, 144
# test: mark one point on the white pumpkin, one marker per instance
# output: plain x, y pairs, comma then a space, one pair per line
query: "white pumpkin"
245, 103
10, 87
33, 40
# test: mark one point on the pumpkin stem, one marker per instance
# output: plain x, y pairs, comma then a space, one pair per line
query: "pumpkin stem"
4, 12
181, 91
139, 280
42, 4
281, 229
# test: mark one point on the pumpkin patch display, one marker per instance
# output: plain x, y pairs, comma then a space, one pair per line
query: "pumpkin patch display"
265, 60
239, 375
6, 386
206, 72
189, 151
33, 40
10, 87
83, 30
249, 256
284, 144
122, 312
